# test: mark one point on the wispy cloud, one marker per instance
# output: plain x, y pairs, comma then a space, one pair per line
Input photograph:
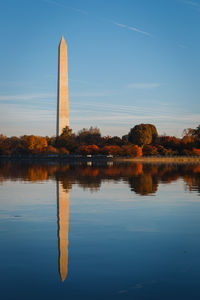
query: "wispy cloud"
112, 118
34, 96
116, 115
135, 29
27, 96
26, 120
196, 4
95, 108
84, 12
192, 3
13, 83
79, 81
92, 94
141, 85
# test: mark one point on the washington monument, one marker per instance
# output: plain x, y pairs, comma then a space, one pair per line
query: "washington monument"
62, 96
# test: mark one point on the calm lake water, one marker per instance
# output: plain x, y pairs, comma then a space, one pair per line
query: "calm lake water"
99, 232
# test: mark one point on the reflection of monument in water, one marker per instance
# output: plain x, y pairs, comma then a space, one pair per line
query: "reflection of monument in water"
63, 229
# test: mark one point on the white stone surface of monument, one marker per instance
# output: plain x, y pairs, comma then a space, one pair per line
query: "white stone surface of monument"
63, 229
62, 93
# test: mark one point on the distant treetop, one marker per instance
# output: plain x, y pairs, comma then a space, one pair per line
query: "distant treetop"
143, 134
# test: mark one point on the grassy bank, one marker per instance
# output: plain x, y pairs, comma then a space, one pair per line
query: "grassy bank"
161, 159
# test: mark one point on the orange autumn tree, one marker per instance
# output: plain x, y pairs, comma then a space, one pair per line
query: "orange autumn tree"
88, 149
34, 144
112, 150
132, 150
196, 151
51, 150
63, 150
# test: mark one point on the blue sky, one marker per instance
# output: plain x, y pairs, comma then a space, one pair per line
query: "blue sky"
130, 62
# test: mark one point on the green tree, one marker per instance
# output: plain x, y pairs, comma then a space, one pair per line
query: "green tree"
89, 136
125, 140
67, 140
67, 131
143, 134
115, 140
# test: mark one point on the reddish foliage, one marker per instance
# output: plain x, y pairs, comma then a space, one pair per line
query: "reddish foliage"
187, 139
196, 169
112, 150
169, 142
34, 144
88, 149
150, 150
188, 152
132, 150
196, 151
89, 172
51, 150
63, 150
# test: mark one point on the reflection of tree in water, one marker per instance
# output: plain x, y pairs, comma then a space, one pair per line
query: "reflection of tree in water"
89, 178
193, 182
142, 179
143, 184
169, 173
62, 174
86, 177
145, 181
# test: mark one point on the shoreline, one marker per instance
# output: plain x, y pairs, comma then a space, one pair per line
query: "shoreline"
104, 159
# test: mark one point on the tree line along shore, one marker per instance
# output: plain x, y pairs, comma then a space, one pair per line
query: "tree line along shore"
141, 141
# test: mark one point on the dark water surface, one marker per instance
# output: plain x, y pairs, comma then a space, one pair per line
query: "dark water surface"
99, 232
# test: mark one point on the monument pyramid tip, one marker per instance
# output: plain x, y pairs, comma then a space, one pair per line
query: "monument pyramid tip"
62, 41
62, 38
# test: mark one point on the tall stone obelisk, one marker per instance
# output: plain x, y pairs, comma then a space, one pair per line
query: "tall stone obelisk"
63, 229
62, 96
